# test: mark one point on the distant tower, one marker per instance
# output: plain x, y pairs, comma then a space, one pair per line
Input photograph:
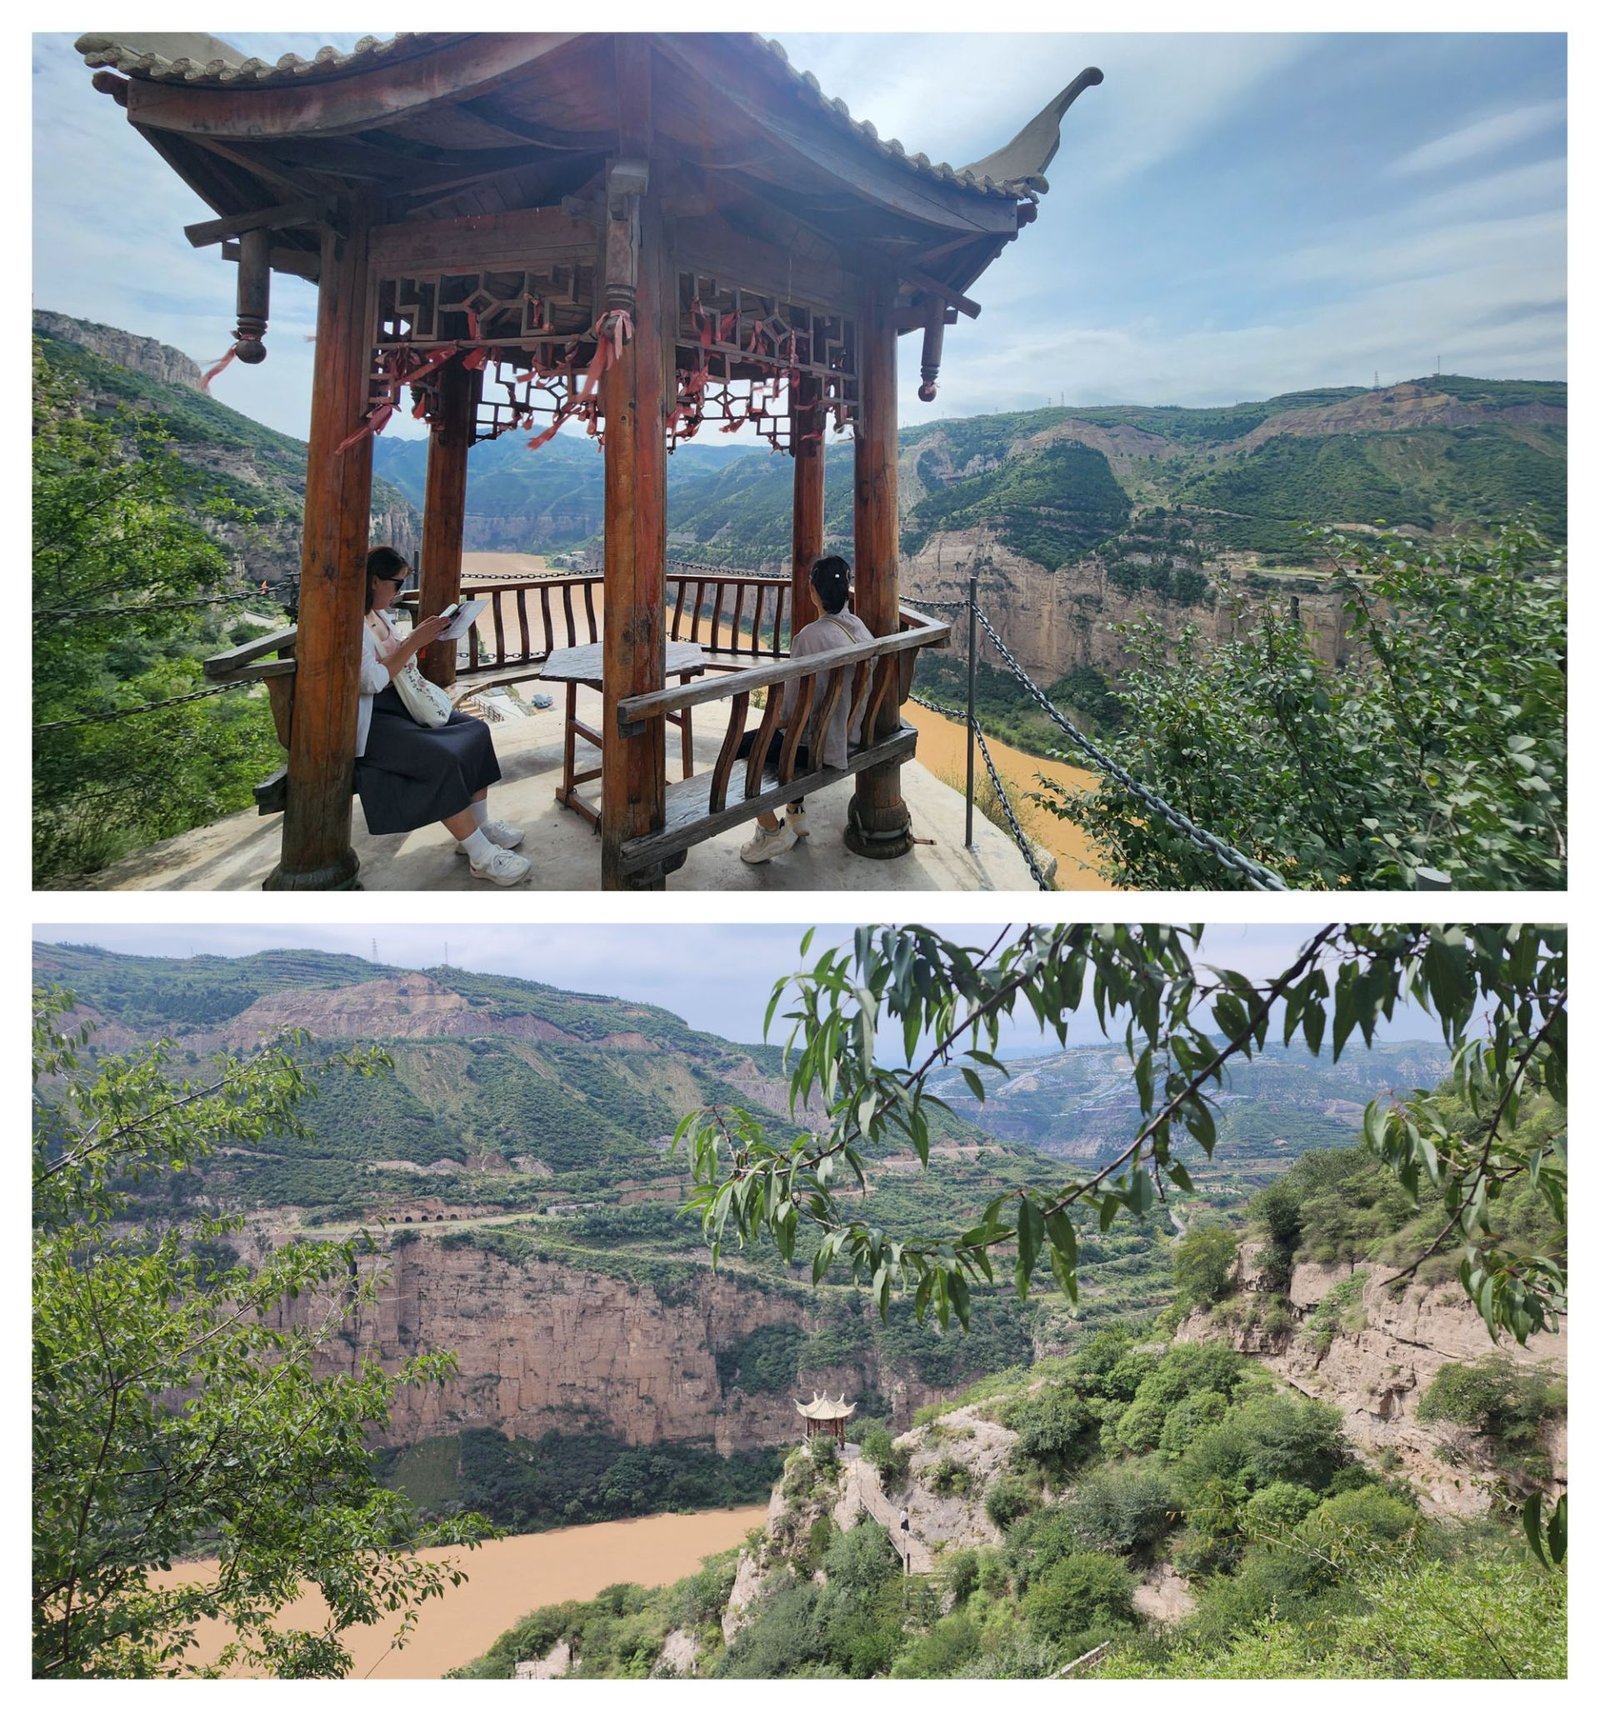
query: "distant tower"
374, 951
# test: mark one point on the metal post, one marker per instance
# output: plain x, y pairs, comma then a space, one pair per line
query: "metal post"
972, 692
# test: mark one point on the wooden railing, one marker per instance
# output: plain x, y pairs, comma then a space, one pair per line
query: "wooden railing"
735, 617
269, 660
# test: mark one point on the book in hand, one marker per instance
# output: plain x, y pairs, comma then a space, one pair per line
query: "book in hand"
460, 617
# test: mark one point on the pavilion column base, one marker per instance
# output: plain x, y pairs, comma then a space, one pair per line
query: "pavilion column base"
879, 829
336, 876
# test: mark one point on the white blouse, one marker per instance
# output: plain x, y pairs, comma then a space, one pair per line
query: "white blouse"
374, 677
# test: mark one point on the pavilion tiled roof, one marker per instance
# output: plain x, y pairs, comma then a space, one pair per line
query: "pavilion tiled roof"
207, 60
825, 1408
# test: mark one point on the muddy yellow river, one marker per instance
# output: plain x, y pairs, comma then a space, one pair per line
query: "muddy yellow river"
506, 1580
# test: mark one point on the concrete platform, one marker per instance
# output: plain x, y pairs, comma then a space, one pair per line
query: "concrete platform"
238, 853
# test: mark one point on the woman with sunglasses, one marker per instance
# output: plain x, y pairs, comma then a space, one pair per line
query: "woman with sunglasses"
408, 774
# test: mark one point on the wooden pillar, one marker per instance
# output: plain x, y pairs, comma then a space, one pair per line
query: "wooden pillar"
444, 509
880, 825
805, 422
633, 398
333, 564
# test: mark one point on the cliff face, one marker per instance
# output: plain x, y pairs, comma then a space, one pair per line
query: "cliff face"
129, 350
1055, 621
544, 1347
1375, 1368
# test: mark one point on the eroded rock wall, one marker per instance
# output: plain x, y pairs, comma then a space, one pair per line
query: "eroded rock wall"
1376, 1366
544, 1347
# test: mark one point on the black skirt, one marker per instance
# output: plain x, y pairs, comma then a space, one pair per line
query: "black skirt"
802, 755
413, 775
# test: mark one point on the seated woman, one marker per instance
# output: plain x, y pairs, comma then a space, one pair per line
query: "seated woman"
408, 774
836, 628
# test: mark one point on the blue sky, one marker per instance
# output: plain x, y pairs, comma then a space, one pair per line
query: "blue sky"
1230, 215
718, 976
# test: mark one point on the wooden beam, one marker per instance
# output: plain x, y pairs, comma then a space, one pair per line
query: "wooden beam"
307, 213
805, 428
634, 399
880, 824
444, 510
481, 240
303, 264
333, 579
925, 282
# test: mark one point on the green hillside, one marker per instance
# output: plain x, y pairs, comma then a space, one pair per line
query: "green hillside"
1053, 499
229, 455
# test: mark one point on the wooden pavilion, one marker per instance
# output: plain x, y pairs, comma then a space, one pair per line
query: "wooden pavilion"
825, 1414
639, 232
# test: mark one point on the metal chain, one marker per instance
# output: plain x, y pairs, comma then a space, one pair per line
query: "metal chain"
146, 707
1262, 879
60, 615
1022, 841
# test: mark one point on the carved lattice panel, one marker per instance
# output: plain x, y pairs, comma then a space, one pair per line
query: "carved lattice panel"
523, 320
516, 396
739, 352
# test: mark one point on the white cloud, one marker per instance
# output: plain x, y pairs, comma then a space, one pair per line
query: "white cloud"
959, 97
1483, 136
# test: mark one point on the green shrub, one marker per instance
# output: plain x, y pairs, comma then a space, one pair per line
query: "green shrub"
1187, 1418
949, 1478
1055, 1429
892, 1461
1276, 1509
1506, 1403
1009, 1498
1356, 1521
1081, 1591
948, 1645
961, 1574
1262, 1440
1203, 1263
1123, 1507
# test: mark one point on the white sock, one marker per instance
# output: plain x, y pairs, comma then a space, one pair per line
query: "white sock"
477, 847
480, 811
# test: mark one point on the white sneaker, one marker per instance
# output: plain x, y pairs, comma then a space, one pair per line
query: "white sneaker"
765, 845
795, 820
504, 868
499, 832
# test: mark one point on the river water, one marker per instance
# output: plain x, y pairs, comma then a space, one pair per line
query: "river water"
506, 1580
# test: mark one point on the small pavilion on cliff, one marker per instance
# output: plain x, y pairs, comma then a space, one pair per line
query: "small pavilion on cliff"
825, 1415
638, 233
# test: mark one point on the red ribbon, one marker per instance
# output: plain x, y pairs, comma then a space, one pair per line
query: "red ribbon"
217, 368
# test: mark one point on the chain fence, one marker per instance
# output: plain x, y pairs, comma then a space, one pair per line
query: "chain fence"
143, 707
1254, 874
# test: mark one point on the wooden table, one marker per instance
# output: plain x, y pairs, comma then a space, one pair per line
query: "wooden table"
586, 666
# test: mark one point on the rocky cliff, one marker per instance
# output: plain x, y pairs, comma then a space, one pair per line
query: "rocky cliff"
1056, 621
127, 350
546, 1347
1375, 1359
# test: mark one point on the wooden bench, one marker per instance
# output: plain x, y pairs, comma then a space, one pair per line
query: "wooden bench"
529, 618
876, 676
